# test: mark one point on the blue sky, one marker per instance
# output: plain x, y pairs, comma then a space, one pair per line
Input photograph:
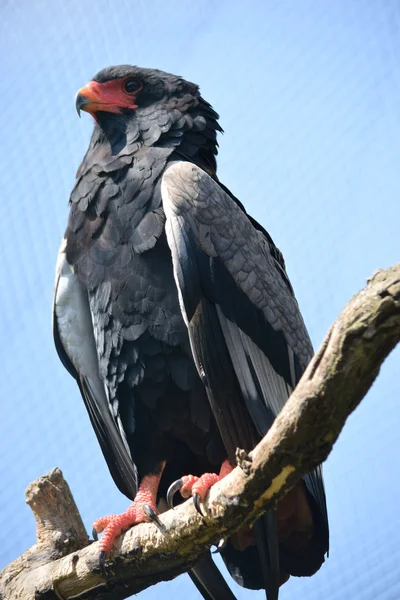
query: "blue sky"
308, 94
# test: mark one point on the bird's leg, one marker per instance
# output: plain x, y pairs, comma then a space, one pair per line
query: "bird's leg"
143, 509
197, 487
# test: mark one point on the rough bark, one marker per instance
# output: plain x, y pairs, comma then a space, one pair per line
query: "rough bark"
62, 564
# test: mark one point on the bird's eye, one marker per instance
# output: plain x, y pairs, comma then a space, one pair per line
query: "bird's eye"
132, 85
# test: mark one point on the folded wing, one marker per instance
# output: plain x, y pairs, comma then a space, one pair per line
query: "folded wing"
247, 335
76, 347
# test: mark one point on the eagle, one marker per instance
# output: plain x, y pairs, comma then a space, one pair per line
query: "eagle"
174, 313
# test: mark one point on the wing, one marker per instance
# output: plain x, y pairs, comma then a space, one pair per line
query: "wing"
247, 335
227, 276
76, 347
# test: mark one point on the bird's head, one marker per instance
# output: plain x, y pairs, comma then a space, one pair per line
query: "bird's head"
135, 107
124, 89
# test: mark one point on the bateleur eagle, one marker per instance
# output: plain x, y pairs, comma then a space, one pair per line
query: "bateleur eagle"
174, 313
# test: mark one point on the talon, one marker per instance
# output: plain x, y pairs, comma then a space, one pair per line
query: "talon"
113, 525
196, 502
95, 535
173, 488
220, 546
152, 515
102, 561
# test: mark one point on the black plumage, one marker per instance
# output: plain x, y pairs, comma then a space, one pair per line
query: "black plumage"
189, 337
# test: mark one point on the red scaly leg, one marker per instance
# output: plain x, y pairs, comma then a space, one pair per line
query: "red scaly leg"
197, 487
143, 509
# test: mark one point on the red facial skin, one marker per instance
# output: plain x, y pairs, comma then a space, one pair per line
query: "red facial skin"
108, 97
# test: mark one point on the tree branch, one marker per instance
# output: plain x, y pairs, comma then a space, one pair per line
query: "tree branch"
62, 565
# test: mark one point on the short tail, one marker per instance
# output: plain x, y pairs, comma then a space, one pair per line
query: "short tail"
209, 581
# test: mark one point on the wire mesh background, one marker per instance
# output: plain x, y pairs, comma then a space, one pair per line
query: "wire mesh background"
308, 94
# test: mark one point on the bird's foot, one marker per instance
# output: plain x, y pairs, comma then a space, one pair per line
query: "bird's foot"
197, 487
143, 509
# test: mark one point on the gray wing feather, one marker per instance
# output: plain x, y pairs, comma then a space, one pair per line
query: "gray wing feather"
272, 386
222, 229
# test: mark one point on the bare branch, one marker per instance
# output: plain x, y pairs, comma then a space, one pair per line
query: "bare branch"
302, 436
59, 527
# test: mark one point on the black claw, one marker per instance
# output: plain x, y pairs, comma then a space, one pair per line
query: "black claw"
220, 546
95, 535
152, 515
102, 561
196, 502
173, 488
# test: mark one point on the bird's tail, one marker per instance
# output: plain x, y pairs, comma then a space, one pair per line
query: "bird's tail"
257, 566
209, 581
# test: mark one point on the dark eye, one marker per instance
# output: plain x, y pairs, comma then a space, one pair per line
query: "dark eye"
132, 85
